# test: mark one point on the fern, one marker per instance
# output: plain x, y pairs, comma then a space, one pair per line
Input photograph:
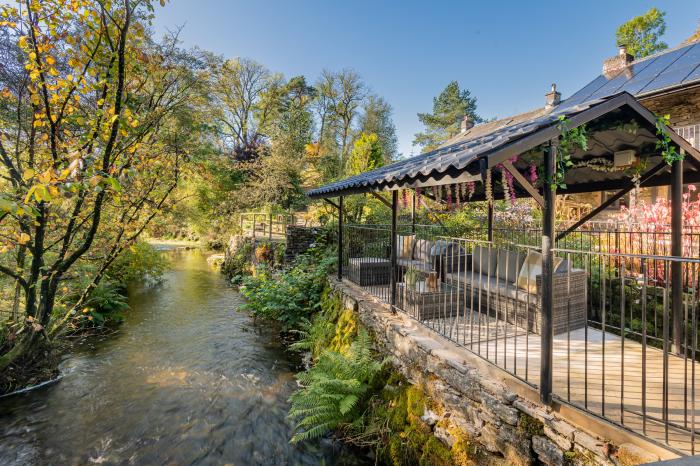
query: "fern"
335, 390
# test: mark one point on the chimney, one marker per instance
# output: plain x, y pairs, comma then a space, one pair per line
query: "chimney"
614, 65
467, 124
552, 98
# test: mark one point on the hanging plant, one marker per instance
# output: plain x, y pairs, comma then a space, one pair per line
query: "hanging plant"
404, 197
533, 174
418, 197
488, 188
449, 197
458, 195
569, 140
668, 151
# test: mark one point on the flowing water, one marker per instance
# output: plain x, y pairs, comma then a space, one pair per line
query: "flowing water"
186, 380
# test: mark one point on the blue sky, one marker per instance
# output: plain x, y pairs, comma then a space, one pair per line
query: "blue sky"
507, 53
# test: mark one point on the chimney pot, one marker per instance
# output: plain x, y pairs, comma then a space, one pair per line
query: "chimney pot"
552, 98
467, 124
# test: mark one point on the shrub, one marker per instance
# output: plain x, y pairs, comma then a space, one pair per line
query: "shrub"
290, 296
104, 306
139, 263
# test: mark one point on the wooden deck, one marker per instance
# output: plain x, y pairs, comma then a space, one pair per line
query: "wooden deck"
591, 373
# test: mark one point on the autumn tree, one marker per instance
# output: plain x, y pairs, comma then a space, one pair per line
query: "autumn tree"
449, 108
642, 34
95, 130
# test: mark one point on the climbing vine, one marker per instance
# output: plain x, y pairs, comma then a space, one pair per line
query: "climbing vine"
568, 142
668, 151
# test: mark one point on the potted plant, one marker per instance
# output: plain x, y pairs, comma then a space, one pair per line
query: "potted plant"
411, 276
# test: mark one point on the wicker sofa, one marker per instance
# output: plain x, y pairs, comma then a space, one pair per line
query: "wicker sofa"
490, 279
428, 256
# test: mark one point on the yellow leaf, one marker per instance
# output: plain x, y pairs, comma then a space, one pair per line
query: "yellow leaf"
28, 174
23, 238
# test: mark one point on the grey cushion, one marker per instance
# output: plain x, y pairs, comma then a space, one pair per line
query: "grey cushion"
421, 250
484, 260
494, 285
509, 264
416, 264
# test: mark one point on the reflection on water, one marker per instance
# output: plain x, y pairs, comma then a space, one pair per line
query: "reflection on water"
187, 380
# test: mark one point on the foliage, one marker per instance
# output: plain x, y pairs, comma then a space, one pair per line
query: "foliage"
449, 108
104, 305
367, 154
668, 151
376, 119
288, 296
642, 34
335, 389
96, 111
569, 141
141, 263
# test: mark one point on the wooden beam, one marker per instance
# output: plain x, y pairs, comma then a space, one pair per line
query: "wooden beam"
381, 198
523, 182
644, 178
332, 203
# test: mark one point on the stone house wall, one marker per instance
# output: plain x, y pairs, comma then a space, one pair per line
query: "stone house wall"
476, 399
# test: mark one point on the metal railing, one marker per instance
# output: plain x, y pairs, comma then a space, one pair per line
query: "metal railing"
623, 348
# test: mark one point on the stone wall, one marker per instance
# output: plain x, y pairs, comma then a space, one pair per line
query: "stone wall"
487, 404
683, 107
299, 239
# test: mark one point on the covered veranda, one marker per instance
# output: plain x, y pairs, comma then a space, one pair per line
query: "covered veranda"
609, 330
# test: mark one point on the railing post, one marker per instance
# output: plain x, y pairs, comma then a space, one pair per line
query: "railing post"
270, 233
394, 211
549, 197
340, 238
677, 251
489, 222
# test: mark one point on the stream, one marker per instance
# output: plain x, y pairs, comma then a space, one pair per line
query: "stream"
186, 380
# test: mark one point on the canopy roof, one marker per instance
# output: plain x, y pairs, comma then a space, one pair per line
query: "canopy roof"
614, 123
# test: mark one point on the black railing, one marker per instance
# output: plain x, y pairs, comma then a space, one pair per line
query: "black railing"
615, 351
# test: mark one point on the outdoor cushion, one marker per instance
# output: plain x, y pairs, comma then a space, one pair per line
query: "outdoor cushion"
404, 245
484, 260
495, 286
421, 250
509, 264
532, 267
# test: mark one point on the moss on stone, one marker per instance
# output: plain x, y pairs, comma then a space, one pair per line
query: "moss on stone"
435, 453
530, 426
578, 458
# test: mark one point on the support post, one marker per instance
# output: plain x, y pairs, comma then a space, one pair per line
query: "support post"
413, 213
549, 197
489, 222
677, 251
340, 238
394, 217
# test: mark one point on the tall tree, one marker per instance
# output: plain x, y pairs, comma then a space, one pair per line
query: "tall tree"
376, 119
367, 154
642, 34
449, 108
349, 94
246, 97
93, 148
